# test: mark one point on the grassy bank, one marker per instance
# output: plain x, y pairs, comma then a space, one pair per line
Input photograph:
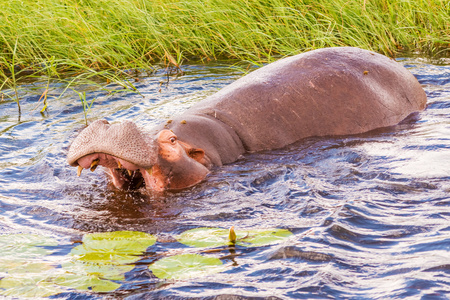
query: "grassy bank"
104, 37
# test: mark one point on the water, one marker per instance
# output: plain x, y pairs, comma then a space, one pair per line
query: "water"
370, 214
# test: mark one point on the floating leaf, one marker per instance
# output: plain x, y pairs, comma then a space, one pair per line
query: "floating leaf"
186, 266
23, 262
262, 237
105, 271
26, 239
14, 246
103, 257
86, 282
216, 237
37, 286
204, 237
118, 247
85, 276
22, 266
133, 238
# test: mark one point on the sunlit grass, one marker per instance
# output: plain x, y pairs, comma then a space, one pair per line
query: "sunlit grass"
105, 37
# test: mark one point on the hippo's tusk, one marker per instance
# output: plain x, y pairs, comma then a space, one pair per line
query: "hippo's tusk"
80, 168
150, 171
94, 165
119, 164
129, 172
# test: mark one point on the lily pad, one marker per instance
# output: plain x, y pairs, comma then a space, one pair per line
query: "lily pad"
15, 246
91, 266
262, 237
216, 237
26, 270
7, 240
186, 266
118, 247
26, 286
86, 282
103, 257
22, 266
105, 271
124, 241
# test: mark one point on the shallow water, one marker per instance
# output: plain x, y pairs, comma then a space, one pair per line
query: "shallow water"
370, 214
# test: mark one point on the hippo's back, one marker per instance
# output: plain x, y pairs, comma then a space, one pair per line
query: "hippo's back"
331, 91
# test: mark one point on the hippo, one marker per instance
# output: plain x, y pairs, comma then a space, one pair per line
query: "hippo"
324, 92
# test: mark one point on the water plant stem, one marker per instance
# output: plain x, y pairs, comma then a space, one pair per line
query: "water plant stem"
10, 81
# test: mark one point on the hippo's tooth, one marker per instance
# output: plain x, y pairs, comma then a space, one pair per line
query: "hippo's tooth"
129, 172
150, 171
80, 168
94, 165
119, 164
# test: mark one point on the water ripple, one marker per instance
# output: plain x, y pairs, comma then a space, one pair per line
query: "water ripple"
369, 213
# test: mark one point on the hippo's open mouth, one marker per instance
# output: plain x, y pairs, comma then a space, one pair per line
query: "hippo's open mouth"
129, 180
124, 175
122, 148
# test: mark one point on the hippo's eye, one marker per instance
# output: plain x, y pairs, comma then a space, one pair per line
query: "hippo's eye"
173, 139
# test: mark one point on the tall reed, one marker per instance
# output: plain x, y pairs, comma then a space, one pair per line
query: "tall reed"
93, 35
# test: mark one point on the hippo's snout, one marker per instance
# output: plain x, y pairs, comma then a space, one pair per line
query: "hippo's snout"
124, 141
122, 148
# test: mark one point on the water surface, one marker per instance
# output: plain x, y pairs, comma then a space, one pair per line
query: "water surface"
370, 214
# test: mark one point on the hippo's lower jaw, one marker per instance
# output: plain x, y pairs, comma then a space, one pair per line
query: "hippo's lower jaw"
124, 175
126, 179
128, 176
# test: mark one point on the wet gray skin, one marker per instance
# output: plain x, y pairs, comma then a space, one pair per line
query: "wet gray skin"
331, 91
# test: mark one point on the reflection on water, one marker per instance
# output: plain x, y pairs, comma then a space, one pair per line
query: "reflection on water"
370, 213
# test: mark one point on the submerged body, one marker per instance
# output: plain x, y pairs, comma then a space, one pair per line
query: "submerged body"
331, 91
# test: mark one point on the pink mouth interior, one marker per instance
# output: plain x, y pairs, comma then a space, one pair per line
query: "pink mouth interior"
106, 160
121, 177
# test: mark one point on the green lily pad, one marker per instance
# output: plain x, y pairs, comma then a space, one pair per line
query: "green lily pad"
35, 286
262, 237
103, 257
27, 246
118, 247
7, 240
26, 270
204, 237
216, 237
186, 266
22, 266
86, 282
133, 242
104, 271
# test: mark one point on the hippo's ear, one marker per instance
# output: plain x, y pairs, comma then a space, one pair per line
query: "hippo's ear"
197, 154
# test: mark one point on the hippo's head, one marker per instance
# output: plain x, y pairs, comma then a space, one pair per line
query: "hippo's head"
133, 158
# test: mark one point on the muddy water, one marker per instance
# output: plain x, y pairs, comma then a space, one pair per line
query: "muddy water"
370, 214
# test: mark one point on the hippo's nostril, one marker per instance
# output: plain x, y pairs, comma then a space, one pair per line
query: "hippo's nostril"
94, 164
80, 168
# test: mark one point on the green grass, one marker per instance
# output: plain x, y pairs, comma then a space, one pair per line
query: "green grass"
105, 37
